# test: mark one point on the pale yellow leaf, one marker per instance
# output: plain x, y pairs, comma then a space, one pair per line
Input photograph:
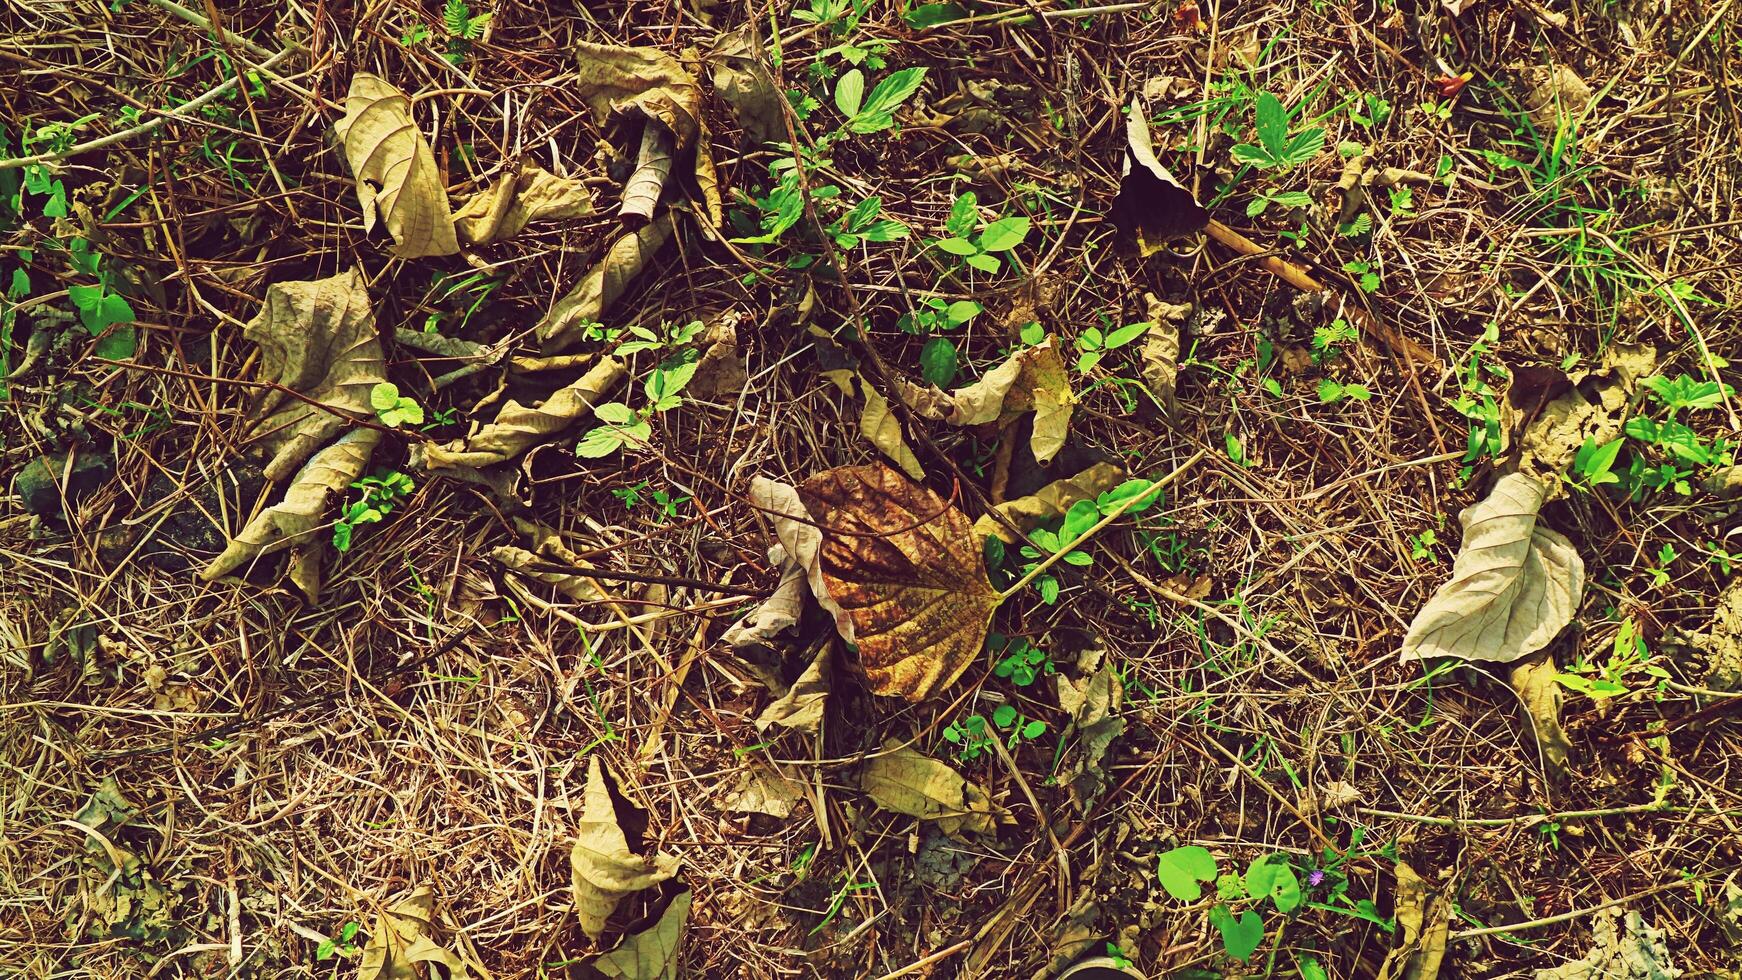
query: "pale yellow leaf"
797, 532
752, 96
562, 327
903, 780
1161, 345
651, 954
614, 80
1534, 680
882, 429
518, 427
776, 613
1033, 379
765, 790
518, 199
395, 171
401, 940
602, 868
801, 707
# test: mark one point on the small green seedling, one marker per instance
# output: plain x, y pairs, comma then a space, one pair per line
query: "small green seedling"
1275, 149
344, 944
1594, 462
1269, 878
626, 427
934, 314
960, 239
1282, 199
1332, 392
1094, 344
392, 408
1019, 661
1628, 655
939, 362
382, 492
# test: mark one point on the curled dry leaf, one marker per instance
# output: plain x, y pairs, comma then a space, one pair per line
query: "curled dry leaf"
518, 427
1583, 405
652, 167
1050, 501
1033, 379
1534, 680
1093, 704
317, 338
602, 868
1553, 95
801, 707
882, 429
907, 570
320, 484
520, 198
773, 615
765, 790
721, 371
651, 954
754, 99
395, 171
799, 536
1161, 348
905, 781
1724, 641
402, 940
562, 326
1514, 584
1425, 921
1152, 204
615, 80
1623, 947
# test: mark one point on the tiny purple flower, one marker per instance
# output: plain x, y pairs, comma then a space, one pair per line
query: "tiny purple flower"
1315, 878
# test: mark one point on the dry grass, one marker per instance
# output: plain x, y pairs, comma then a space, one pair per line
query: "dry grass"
1270, 716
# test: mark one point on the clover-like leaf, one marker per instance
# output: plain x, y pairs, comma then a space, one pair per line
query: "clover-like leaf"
907, 570
1514, 584
602, 868
396, 173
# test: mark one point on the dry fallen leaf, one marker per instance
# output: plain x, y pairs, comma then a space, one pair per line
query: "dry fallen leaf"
303, 512
1623, 947
1093, 705
562, 327
651, 954
1425, 921
1050, 501
317, 338
776, 613
902, 780
520, 198
754, 99
1161, 348
801, 707
1033, 379
401, 941
1554, 95
1151, 204
721, 371
799, 536
1514, 584
882, 429
652, 167
601, 866
518, 427
395, 171
1593, 407
905, 566
646, 81
1534, 680
1724, 641
762, 789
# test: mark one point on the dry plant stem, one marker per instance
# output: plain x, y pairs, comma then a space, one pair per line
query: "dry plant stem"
1525, 820
928, 960
149, 125
1058, 851
1119, 511
645, 578
1555, 920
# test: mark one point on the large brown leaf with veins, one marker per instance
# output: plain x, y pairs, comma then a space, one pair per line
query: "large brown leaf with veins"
907, 568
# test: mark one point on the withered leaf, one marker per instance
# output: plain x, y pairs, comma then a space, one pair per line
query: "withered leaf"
317, 338
1534, 680
1425, 919
1093, 704
721, 371
1514, 584
648, 82
1585, 405
1151, 204
395, 171
801, 707
1050, 501
882, 429
561, 327
303, 511
402, 940
601, 866
651, 954
652, 166
762, 789
1033, 379
1161, 346
904, 780
520, 198
776, 613
906, 568
752, 96
799, 536
518, 427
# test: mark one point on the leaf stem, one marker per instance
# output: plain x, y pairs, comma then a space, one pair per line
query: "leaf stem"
1071, 545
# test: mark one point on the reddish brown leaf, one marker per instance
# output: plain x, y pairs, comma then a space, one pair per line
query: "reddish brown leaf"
909, 573
1450, 85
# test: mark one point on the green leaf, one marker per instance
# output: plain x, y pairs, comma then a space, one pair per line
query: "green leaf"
20, 286
964, 215
1049, 589
1255, 156
1305, 145
1256, 206
120, 345
670, 378
886, 231
1033, 333
850, 92
1004, 234
1126, 334
614, 413
1110, 500
410, 411
1181, 869
1241, 936
1310, 969
1003, 715
956, 246
1082, 516
988, 264
961, 311
1330, 392
384, 396
938, 362
600, 442
1034, 729
1293, 199
933, 14
885, 98
1272, 123
1271, 877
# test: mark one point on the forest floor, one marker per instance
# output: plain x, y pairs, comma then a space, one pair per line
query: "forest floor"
402, 400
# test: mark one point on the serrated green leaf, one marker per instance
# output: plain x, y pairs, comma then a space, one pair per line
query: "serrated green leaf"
850, 92
1255, 156
1272, 124
885, 98
964, 215
886, 230
600, 442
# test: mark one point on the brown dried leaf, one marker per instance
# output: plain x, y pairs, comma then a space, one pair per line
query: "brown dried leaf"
395, 171
561, 327
904, 781
765, 790
520, 199
1093, 704
1049, 501
317, 338
882, 429
1426, 925
801, 707
1152, 204
651, 954
1161, 348
801, 538
602, 869
1033, 379
776, 613
1515, 584
1594, 408
754, 99
1534, 680
721, 370
615, 80
303, 512
1553, 95
401, 940
907, 570
518, 427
